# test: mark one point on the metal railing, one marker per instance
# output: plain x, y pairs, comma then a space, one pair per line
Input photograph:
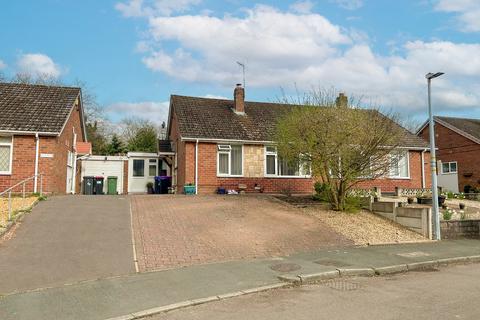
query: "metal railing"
23, 184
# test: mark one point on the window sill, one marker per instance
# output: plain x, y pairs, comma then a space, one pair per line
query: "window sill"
5, 173
227, 176
448, 173
399, 178
288, 177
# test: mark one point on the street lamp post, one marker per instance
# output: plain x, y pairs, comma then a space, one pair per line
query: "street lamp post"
433, 158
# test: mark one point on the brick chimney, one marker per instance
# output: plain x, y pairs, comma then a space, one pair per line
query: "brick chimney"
239, 99
342, 100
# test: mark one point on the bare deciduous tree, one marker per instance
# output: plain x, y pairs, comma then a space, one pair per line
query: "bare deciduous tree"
343, 144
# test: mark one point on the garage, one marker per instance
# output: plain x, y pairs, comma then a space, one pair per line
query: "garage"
106, 166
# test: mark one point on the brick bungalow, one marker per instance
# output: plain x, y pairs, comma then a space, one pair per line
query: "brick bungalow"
458, 143
40, 129
225, 143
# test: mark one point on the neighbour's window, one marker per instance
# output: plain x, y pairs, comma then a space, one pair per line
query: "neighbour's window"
152, 167
399, 164
449, 167
230, 160
6, 149
276, 166
138, 167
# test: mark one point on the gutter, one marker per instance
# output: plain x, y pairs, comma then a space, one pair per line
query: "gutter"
16, 132
196, 167
37, 148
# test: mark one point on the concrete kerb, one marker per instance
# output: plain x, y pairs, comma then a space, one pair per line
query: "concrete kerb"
289, 280
195, 302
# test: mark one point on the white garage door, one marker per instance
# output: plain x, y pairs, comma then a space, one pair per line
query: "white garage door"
104, 168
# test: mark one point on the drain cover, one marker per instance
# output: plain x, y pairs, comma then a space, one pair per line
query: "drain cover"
285, 267
332, 263
341, 285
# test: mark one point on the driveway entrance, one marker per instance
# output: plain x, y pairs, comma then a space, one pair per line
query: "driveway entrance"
174, 230
68, 239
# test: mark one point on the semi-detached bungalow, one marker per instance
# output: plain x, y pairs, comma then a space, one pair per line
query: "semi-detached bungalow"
41, 132
228, 143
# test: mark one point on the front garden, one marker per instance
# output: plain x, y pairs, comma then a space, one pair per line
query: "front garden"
18, 205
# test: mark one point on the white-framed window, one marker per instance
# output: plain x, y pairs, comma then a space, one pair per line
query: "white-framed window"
399, 165
449, 167
6, 154
152, 167
275, 166
230, 160
138, 167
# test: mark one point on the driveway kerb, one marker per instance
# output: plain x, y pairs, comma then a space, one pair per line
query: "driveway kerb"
357, 272
195, 302
422, 265
399, 268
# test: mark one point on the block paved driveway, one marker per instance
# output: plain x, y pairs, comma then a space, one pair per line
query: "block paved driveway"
65, 240
175, 230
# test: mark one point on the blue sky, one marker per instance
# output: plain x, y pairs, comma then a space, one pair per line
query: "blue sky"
133, 54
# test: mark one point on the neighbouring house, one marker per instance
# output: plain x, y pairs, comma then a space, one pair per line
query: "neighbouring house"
228, 143
42, 130
458, 144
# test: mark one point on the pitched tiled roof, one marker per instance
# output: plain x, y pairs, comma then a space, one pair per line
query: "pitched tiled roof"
84, 148
35, 108
469, 127
214, 119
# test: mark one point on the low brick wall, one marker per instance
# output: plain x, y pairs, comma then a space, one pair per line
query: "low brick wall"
460, 229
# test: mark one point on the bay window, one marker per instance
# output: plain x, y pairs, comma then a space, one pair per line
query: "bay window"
399, 165
230, 160
6, 152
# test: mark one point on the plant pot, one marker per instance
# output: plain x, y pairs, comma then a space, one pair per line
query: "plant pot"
410, 200
189, 189
441, 200
150, 190
462, 206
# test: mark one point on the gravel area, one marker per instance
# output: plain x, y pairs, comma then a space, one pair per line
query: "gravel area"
17, 204
364, 227
472, 208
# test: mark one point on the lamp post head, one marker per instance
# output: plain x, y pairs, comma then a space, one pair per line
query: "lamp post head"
431, 75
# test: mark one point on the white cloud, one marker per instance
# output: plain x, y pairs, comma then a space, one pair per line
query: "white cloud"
349, 4
157, 112
139, 8
467, 13
302, 6
283, 49
3, 65
38, 65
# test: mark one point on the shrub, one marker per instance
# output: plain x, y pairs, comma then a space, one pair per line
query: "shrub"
321, 191
353, 204
447, 214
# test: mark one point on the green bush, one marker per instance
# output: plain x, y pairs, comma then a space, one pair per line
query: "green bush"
321, 192
353, 204
447, 214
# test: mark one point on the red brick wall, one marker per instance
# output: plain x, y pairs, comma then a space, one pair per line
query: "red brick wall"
125, 177
415, 181
208, 182
54, 169
455, 147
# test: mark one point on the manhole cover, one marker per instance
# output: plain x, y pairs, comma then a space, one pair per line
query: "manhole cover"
341, 285
332, 263
285, 267
413, 254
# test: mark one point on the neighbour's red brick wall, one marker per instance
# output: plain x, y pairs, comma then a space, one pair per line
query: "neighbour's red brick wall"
455, 147
23, 163
54, 169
